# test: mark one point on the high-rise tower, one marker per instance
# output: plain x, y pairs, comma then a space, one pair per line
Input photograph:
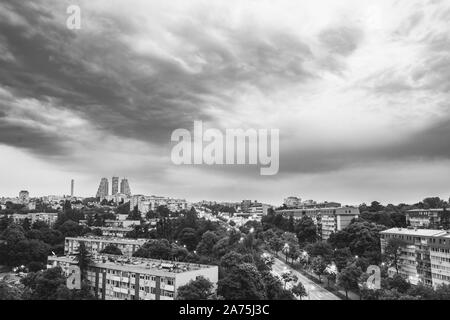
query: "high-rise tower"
72, 187
103, 191
115, 185
125, 187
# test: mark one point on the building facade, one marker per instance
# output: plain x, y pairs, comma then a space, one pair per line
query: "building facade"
115, 185
103, 189
24, 197
328, 220
125, 187
427, 218
123, 278
47, 217
424, 257
96, 244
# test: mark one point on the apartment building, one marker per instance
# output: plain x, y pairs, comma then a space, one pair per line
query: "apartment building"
96, 244
122, 223
328, 220
115, 231
124, 278
425, 256
426, 218
47, 217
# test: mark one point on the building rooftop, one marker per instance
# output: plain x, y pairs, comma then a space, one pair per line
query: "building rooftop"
416, 232
138, 265
109, 239
424, 210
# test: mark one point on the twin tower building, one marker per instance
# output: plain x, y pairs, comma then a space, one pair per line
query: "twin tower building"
103, 188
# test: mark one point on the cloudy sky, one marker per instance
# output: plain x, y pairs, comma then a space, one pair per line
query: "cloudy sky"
358, 89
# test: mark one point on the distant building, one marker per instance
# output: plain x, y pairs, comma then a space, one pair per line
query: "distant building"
96, 244
427, 218
24, 197
424, 258
260, 209
327, 220
125, 187
47, 217
115, 185
292, 202
122, 223
72, 187
128, 278
103, 189
118, 232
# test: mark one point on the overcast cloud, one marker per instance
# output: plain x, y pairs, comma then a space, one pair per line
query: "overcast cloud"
359, 91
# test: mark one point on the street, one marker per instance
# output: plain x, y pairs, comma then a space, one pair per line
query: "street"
315, 292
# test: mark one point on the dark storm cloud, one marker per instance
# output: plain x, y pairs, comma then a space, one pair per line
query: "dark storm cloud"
33, 139
429, 143
140, 96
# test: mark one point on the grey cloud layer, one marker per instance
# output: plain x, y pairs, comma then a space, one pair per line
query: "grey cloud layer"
143, 94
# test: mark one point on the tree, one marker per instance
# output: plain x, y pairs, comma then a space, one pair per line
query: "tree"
274, 288
134, 214
155, 249
243, 282
44, 284
306, 230
8, 292
188, 237
393, 251
71, 229
112, 249
299, 290
276, 244
348, 278
198, 289
320, 248
26, 224
207, 243
342, 257
83, 258
319, 265
288, 277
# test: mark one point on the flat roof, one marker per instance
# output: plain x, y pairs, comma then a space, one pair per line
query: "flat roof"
137, 265
109, 239
424, 210
416, 232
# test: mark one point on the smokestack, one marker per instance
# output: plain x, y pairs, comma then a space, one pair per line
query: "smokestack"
72, 186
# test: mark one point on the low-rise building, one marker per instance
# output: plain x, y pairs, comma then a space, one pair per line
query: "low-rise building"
426, 218
123, 278
96, 244
114, 231
328, 220
425, 256
47, 217
122, 223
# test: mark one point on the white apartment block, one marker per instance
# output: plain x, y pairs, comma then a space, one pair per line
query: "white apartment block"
123, 278
425, 257
327, 220
114, 231
96, 244
47, 217
424, 218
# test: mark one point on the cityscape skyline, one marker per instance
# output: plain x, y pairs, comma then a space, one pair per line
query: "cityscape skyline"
104, 189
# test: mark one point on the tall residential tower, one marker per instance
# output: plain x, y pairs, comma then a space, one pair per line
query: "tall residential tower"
125, 187
115, 185
103, 189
